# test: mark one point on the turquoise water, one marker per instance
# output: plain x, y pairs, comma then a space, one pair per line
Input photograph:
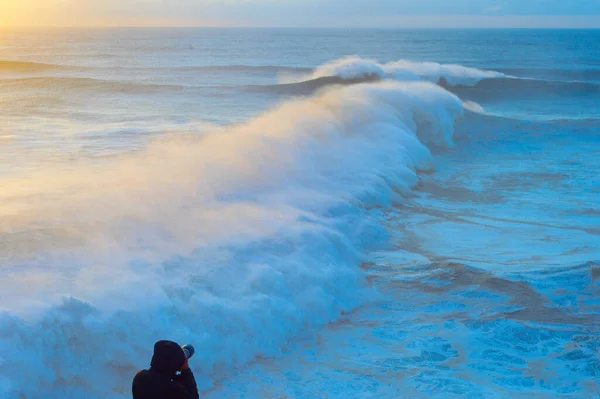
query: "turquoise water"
323, 213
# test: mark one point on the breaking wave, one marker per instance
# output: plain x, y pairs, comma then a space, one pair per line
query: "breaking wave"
237, 240
356, 67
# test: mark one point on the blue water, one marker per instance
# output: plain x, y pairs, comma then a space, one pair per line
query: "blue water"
323, 213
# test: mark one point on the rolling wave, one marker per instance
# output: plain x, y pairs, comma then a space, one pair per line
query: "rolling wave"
240, 68
478, 85
96, 85
535, 84
109, 86
480, 125
574, 75
26, 66
506, 88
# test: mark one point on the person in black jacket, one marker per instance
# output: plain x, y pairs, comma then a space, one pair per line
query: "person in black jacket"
161, 381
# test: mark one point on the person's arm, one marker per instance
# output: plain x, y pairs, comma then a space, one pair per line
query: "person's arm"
185, 385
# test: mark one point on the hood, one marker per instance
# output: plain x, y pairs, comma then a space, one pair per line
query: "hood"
168, 357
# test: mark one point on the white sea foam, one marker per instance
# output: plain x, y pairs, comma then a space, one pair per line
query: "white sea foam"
236, 240
350, 68
356, 67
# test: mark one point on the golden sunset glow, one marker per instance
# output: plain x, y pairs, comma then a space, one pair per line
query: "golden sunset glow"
9, 12
32, 12
50, 13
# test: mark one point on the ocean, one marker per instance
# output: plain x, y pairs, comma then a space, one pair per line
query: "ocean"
323, 213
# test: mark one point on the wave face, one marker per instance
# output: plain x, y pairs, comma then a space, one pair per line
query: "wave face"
279, 205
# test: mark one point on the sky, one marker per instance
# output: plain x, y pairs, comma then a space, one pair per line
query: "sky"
302, 13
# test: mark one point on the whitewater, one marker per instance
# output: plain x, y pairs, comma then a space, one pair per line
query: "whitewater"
349, 227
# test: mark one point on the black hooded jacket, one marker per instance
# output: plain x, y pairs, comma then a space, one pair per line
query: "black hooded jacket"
161, 381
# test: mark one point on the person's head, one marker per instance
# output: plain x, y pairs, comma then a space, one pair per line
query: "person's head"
168, 357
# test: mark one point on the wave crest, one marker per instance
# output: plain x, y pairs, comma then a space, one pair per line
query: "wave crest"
355, 67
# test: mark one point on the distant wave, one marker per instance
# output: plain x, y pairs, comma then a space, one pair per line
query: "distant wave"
472, 83
467, 83
522, 87
217, 68
25, 66
98, 85
478, 125
454, 77
354, 70
242, 68
575, 75
535, 84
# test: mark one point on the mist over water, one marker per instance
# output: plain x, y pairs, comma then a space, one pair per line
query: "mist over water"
329, 213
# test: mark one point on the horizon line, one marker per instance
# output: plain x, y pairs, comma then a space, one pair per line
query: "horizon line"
384, 22
299, 27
